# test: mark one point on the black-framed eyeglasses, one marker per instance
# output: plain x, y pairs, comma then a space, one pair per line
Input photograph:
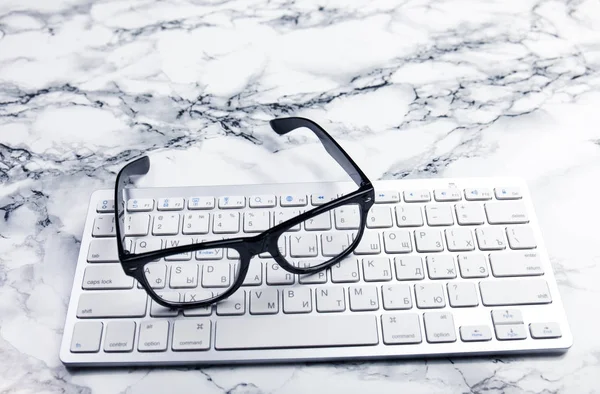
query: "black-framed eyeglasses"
226, 262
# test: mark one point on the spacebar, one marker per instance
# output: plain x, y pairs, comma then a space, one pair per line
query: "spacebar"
295, 332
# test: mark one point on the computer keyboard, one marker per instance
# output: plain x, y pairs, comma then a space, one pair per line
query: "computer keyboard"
445, 267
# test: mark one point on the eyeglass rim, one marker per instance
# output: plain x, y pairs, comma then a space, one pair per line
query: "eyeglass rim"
248, 247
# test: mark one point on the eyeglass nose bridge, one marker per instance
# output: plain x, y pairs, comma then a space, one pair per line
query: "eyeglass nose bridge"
256, 245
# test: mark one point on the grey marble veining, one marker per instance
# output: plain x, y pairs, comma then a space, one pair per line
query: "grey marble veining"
409, 88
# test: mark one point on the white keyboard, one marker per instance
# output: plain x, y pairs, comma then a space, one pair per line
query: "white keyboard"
446, 267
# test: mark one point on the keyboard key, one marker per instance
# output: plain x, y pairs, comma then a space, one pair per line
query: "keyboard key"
417, 196
475, 333
119, 336
195, 223
545, 330
166, 224
516, 264
386, 196
263, 201
254, 274
195, 295
137, 225
376, 269
490, 238
140, 205
409, 216
507, 316
103, 251
369, 244
521, 237
441, 267
201, 203
330, 299
153, 336
235, 304
226, 223
469, 214
86, 337
459, 239
334, 244
297, 332
105, 276
105, 206
509, 332
320, 222
143, 245
347, 217
480, 194
285, 215
204, 311
193, 334
170, 204
209, 254
396, 297
155, 275
379, 217
312, 279
293, 200
363, 298
439, 215
508, 212
397, 242
232, 202
439, 327
429, 240
462, 294
278, 276
118, 303
297, 300
430, 295
409, 268
345, 271
104, 226
515, 292
157, 310
473, 266
401, 328
262, 302
175, 242
450, 194
257, 222
508, 193
215, 275
184, 276
320, 199
303, 245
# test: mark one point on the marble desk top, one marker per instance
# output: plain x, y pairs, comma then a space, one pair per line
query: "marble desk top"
411, 89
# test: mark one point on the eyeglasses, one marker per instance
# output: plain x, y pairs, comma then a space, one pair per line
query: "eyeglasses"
228, 275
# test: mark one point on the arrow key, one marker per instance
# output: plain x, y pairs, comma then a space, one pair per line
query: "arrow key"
509, 332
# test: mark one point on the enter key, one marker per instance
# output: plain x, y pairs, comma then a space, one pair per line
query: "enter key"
526, 263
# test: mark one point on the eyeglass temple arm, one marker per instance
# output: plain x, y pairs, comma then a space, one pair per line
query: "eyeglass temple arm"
284, 125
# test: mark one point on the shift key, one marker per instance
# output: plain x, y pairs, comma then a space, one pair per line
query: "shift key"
112, 304
515, 292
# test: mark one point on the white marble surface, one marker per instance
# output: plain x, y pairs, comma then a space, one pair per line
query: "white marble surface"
411, 88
